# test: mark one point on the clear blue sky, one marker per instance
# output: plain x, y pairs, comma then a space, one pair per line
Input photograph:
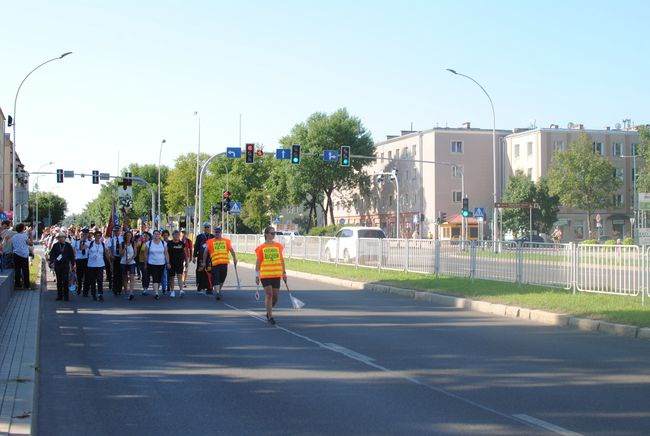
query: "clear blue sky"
141, 68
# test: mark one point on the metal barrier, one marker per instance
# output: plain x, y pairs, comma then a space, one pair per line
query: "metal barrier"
608, 269
604, 269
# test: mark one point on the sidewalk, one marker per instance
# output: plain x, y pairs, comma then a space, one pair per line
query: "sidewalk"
18, 351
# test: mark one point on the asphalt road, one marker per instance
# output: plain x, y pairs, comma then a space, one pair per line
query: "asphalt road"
350, 362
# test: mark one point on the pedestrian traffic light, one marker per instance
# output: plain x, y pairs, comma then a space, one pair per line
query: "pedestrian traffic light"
59, 176
295, 154
95, 177
345, 155
466, 213
250, 153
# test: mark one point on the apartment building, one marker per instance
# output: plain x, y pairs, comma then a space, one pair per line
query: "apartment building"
431, 166
3, 171
531, 151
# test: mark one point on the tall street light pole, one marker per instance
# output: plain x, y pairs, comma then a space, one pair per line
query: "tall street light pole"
159, 160
13, 170
494, 153
196, 189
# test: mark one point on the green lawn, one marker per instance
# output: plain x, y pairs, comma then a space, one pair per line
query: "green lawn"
34, 272
621, 309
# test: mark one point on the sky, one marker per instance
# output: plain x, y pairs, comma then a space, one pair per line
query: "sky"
140, 69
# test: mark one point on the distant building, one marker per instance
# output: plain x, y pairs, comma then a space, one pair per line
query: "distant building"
531, 151
429, 166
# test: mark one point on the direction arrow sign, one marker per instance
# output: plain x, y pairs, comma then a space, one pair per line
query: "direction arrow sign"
233, 153
331, 155
282, 154
235, 208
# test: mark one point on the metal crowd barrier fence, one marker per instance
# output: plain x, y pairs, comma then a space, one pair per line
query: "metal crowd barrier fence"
603, 269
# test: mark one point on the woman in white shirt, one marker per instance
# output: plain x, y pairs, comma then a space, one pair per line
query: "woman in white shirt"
157, 259
127, 263
21, 242
97, 252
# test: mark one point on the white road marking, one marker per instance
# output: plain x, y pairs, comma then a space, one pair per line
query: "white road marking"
369, 362
546, 425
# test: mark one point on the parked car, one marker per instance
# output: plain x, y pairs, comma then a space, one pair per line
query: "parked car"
526, 238
367, 239
283, 236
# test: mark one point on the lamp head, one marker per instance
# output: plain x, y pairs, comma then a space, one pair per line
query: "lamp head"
163, 141
452, 71
65, 54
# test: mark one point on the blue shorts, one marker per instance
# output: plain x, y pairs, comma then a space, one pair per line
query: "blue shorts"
127, 268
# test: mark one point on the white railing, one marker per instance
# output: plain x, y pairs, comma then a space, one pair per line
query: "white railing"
603, 269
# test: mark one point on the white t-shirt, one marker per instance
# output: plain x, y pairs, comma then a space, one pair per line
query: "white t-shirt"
19, 242
113, 246
156, 255
76, 244
96, 255
130, 256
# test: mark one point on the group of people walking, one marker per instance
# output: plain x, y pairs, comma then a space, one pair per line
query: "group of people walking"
159, 262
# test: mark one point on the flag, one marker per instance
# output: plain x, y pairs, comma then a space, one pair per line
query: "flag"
112, 222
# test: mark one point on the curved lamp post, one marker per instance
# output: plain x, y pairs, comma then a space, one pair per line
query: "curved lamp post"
159, 158
494, 152
197, 219
13, 170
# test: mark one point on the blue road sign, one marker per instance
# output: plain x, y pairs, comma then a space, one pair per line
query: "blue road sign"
479, 212
276, 220
282, 153
233, 152
331, 155
235, 207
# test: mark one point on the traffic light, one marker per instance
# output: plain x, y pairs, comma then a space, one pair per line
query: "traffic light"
59, 176
126, 179
466, 213
95, 177
345, 155
226, 201
182, 223
442, 218
295, 154
250, 153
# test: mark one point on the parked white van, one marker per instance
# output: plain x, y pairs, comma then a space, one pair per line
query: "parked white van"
367, 240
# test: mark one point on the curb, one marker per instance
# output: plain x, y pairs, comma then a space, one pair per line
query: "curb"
534, 315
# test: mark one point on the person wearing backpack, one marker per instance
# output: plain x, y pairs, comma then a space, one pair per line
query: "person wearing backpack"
80, 246
157, 260
127, 264
97, 252
141, 258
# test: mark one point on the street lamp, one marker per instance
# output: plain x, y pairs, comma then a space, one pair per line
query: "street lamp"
494, 152
159, 158
635, 198
13, 123
36, 191
196, 189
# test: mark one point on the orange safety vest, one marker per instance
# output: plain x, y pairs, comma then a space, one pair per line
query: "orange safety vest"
219, 250
270, 257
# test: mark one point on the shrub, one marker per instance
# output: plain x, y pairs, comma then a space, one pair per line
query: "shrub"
325, 230
588, 241
628, 241
609, 242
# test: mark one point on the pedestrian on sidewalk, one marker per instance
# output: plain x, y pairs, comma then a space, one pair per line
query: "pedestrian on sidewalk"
97, 255
127, 264
157, 259
62, 256
177, 260
200, 246
20, 243
80, 246
187, 242
269, 269
219, 248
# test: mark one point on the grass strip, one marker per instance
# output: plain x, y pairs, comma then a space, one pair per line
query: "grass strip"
34, 269
612, 308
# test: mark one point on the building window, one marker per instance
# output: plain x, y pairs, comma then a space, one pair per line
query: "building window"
516, 150
457, 147
390, 155
529, 173
382, 157
406, 200
397, 154
415, 200
414, 150
457, 196
617, 149
618, 172
598, 148
407, 174
618, 200
529, 148
634, 149
558, 146
405, 152
456, 170
579, 230
390, 201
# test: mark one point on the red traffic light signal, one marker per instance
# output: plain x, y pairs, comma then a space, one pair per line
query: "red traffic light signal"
250, 153
226, 195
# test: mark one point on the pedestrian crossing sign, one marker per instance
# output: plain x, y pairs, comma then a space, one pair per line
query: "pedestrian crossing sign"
235, 207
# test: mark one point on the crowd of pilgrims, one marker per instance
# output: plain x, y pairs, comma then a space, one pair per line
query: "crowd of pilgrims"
90, 257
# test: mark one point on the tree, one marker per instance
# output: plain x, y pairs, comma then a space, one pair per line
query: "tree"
520, 189
181, 183
582, 178
315, 180
643, 150
256, 210
51, 207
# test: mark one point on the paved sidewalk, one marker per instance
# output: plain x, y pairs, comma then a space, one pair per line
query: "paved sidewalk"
18, 352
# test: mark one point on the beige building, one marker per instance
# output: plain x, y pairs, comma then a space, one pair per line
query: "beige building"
531, 151
430, 166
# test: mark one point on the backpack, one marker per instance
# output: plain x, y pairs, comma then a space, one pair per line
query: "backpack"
149, 248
